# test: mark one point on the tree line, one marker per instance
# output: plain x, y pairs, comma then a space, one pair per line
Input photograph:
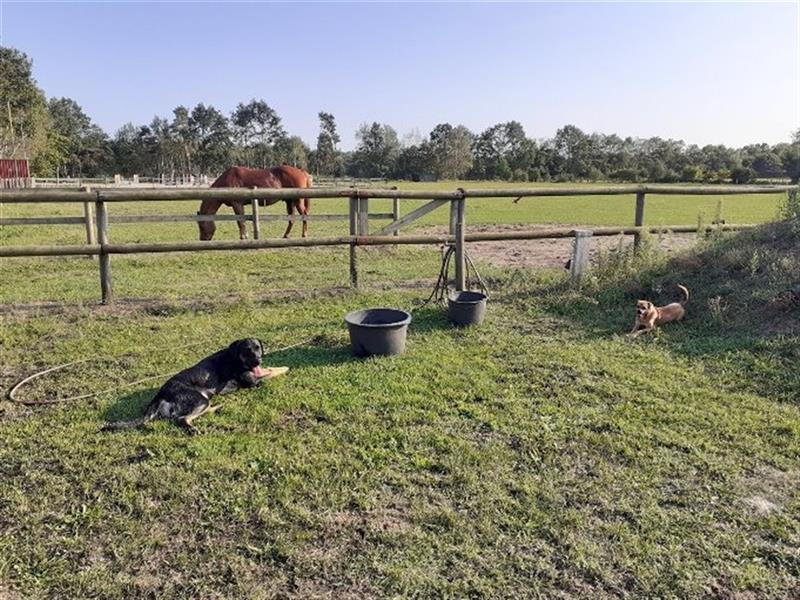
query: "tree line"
60, 139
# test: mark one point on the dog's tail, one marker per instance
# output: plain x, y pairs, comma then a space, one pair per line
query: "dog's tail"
685, 295
120, 425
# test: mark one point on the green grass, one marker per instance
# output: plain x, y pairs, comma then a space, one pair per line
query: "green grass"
540, 455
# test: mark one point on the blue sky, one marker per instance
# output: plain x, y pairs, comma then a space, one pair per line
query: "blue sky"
705, 73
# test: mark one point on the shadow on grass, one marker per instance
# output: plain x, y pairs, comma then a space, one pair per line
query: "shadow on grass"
130, 406
322, 354
432, 317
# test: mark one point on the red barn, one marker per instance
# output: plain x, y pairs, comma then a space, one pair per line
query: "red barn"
14, 173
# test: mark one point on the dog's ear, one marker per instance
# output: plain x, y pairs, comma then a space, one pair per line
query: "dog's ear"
241, 349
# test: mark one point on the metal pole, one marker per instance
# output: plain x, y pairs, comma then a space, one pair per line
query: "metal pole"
460, 232
353, 231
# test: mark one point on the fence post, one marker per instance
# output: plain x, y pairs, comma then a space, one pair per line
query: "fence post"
638, 219
105, 259
460, 232
353, 231
453, 216
88, 217
256, 222
580, 253
396, 211
363, 216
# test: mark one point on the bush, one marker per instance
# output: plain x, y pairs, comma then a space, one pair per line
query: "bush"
692, 173
789, 207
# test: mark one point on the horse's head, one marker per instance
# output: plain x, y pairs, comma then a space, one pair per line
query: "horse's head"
207, 229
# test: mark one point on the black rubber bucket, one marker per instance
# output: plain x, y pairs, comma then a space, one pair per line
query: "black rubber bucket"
378, 331
466, 308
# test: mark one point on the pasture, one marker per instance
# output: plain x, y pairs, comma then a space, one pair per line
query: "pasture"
540, 455
69, 280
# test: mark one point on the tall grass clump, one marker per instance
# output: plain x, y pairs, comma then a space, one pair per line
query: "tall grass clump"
625, 262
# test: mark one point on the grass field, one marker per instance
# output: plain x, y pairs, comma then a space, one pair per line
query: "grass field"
541, 455
28, 280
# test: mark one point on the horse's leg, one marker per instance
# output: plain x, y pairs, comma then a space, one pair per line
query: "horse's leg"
238, 208
290, 212
303, 205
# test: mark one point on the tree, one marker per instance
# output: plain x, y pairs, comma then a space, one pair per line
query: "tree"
790, 156
377, 151
258, 131
742, 174
504, 152
292, 151
183, 137
87, 149
451, 150
415, 162
167, 151
573, 152
327, 154
212, 136
24, 120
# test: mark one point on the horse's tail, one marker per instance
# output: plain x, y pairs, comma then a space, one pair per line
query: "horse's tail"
309, 183
685, 295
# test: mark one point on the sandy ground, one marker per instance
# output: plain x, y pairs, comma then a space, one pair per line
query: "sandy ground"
553, 253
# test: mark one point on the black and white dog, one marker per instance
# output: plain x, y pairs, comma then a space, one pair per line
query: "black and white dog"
187, 395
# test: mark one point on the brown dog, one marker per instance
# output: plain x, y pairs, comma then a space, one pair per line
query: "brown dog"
649, 316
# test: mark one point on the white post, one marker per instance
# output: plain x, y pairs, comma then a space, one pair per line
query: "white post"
580, 253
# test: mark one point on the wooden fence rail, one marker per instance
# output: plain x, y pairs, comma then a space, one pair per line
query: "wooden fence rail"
358, 217
164, 195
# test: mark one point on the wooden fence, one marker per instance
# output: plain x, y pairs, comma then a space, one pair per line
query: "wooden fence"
173, 181
99, 244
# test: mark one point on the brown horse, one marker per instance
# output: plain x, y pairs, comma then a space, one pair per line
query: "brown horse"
276, 177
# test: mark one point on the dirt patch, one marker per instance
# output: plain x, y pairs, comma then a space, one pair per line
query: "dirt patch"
7, 594
767, 489
123, 307
389, 520
761, 506
550, 253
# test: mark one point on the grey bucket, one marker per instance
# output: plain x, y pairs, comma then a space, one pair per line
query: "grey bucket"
377, 331
466, 308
